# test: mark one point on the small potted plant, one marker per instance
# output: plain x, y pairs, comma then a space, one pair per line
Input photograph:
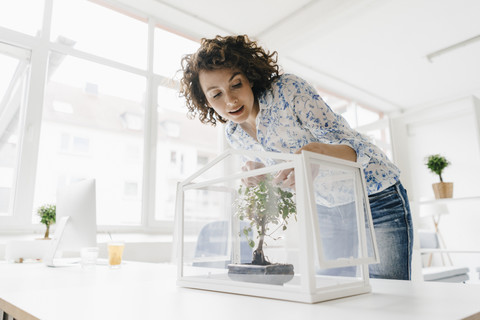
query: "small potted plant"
267, 207
47, 213
437, 163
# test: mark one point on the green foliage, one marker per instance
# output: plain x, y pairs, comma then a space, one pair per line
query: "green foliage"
264, 205
436, 163
47, 213
48, 216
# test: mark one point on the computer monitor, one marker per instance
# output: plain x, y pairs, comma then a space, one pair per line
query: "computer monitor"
76, 225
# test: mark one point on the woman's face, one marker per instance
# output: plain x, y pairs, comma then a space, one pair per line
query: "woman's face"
230, 94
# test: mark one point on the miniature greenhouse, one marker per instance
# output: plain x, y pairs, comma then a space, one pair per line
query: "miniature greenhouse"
247, 232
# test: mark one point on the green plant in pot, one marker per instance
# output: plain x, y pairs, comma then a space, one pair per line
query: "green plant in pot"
268, 208
47, 214
437, 163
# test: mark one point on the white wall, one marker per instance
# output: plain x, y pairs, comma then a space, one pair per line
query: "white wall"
452, 130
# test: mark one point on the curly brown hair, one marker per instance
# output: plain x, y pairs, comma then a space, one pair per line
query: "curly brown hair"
231, 52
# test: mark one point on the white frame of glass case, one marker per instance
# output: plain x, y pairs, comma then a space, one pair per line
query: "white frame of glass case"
307, 290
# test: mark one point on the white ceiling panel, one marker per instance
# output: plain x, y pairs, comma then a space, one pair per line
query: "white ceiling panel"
239, 17
383, 50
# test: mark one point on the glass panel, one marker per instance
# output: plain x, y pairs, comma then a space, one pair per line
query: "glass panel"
244, 227
341, 217
99, 135
22, 15
208, 214
12, 99
169, 49
183, 146
95, 29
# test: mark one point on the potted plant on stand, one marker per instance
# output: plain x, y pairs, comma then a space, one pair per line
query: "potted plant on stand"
267, 208
47, 213
437, 163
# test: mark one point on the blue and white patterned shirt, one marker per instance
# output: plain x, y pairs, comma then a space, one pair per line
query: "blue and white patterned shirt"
292, 114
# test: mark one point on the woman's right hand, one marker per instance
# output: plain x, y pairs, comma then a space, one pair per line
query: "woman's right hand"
252, 165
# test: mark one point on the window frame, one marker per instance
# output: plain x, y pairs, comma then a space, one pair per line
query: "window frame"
40, 47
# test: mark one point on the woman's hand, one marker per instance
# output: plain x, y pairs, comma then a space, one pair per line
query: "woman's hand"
287, 177
252, 181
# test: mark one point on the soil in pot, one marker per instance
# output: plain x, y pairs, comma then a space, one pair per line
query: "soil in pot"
275, 273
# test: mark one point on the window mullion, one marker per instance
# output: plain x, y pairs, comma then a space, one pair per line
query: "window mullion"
150, 134
30, 137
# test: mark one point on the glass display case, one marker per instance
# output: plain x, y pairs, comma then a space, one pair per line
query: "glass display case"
294, 227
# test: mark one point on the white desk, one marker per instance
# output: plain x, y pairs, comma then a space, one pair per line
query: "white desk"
148, 291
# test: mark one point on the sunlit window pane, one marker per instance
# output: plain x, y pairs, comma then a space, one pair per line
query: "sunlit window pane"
381, 137
183, 147
358, 117
12, 98
22, 15
93, 140
350, 114
101, 31
8, 65
169, 49
366, 116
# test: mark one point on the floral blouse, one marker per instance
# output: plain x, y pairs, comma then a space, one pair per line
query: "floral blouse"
292, 114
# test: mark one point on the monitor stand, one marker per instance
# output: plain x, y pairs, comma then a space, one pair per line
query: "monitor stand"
49, 259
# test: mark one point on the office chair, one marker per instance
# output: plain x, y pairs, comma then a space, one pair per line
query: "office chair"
212, 246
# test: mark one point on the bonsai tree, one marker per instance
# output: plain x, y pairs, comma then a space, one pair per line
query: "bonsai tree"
47, 214
264, 205
436, 163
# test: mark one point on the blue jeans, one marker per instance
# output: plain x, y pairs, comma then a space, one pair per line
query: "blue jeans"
393, 227
392, 221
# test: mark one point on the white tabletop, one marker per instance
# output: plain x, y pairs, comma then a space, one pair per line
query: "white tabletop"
148, 291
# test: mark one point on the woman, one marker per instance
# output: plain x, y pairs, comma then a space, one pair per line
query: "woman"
232, 80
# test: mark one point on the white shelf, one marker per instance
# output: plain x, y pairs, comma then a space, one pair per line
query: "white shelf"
449, 200
449, 251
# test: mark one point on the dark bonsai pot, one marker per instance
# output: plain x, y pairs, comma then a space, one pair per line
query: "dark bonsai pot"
275, 273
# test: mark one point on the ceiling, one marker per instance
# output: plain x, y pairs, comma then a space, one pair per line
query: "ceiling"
374, 52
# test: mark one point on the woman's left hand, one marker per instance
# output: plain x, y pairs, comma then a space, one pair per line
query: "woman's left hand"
287, 177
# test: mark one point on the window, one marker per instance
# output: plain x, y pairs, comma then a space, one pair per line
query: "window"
94, 136
182, 144
97, 29
74, 145
15, 16
90, 111
130, 189
14, 65
366, 120
169, 49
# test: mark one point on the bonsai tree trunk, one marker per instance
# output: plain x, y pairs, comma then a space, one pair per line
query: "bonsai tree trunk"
258, 255
47, 232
